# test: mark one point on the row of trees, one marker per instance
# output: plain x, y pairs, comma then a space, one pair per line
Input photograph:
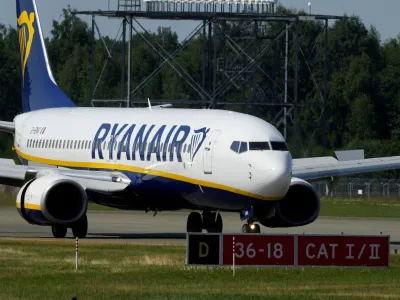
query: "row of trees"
363, 91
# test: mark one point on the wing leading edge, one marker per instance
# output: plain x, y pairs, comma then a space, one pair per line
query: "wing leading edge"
96, 181
326, 167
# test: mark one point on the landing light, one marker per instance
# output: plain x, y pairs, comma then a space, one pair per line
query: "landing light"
116, 179
252, 226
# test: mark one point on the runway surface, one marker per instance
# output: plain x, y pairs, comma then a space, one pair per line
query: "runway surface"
169, 227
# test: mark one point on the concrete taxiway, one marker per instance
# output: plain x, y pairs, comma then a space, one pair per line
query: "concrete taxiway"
169, 227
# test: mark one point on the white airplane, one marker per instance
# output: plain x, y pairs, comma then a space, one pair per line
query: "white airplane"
152, 159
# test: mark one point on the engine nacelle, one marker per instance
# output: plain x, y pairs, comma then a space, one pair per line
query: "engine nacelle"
300, 206
52, 200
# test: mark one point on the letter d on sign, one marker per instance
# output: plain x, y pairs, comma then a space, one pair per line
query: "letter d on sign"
203, 249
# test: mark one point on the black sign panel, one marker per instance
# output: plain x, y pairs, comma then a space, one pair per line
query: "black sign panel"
203, 249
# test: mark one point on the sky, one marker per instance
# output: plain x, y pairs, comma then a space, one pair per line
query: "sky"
383, 17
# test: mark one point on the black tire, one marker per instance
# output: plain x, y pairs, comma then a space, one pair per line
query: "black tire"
217, 224
58, 232
257, 228
194, 222
246, 228
80, 229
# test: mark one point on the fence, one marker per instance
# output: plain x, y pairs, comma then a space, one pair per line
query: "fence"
362, 188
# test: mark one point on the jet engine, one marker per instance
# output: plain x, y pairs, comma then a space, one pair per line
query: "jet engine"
299, 207
52, 200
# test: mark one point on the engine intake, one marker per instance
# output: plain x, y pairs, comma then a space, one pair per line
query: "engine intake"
299, 207
52, 200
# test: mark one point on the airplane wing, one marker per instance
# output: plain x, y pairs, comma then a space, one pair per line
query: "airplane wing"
325, 167
96, 181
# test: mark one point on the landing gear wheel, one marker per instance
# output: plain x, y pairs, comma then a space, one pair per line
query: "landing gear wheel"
216, 225
58, 231
194, 222
80, 229
246, 228
251, 228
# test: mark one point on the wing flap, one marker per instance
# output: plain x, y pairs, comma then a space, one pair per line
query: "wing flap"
318, 169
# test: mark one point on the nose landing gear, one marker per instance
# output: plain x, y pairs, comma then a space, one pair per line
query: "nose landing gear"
250, 227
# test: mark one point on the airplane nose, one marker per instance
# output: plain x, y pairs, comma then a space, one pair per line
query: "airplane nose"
277, 173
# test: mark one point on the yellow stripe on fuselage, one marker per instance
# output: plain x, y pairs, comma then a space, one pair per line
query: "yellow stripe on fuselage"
29, 206
120, 167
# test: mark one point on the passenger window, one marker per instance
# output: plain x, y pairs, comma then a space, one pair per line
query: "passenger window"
79, 144
235, 146
40, 144
63, 144
75, 145
190, 147
184, 149
243, 147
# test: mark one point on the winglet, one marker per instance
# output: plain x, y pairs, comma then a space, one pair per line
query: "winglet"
148, 100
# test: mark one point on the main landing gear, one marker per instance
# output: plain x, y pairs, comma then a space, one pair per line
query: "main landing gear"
210, 221
79, 229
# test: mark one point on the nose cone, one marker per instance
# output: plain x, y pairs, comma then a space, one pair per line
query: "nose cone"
276, 173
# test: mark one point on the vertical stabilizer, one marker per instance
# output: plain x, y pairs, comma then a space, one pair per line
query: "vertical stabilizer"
39, 89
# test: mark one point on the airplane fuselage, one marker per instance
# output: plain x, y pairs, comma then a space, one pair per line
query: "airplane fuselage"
211, 158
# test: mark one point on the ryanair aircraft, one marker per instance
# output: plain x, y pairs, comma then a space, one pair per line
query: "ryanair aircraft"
152, 159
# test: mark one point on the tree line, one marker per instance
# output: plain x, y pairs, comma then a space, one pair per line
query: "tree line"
363, 78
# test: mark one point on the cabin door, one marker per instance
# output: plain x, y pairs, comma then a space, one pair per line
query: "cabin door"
208, 151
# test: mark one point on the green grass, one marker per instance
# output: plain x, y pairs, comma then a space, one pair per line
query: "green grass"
361, 207
33, 269
7, 199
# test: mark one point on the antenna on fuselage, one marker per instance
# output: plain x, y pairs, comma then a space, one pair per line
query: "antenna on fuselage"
148, 100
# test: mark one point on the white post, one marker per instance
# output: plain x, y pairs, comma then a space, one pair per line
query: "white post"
76, 254
233, 266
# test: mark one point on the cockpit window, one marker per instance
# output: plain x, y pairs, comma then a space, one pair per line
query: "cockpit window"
239, 147
235, 146
259, 146
279, 146
243, 147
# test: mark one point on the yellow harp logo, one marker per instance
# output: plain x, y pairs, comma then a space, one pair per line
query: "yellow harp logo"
26, 33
